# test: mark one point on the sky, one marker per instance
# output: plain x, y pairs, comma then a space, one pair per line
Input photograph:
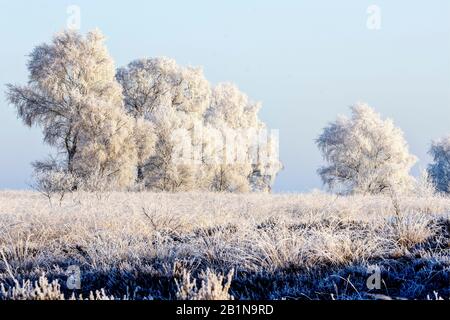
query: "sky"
306, 61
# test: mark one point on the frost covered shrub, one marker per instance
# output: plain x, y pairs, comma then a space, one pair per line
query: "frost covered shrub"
42, 289
213, 286
27, 290
365, 154
424, 186
51, 179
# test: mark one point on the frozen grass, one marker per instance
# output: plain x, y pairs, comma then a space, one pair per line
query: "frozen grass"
223, 246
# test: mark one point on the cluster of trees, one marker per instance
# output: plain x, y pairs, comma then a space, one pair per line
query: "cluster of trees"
368, 155
152, 124
155, 125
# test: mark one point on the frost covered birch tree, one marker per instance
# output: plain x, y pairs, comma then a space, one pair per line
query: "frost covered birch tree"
73, 96
254, 162
439, 169
172, 99
365, 154
211, 123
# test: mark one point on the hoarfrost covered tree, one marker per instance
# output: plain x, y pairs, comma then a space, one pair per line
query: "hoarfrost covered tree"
73, 96
439, 170
254, 164
172, 99
188, 115
365, 154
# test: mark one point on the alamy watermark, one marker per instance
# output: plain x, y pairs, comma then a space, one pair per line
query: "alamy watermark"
374, 280
374, 17
73, 278
73, 21
228, 146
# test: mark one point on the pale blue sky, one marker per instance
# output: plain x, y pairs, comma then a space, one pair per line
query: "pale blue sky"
307, 61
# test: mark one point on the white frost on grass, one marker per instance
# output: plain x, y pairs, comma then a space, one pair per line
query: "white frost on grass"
136, 239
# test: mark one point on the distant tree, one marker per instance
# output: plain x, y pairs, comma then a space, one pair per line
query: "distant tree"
439, 170
73, 96
365, 154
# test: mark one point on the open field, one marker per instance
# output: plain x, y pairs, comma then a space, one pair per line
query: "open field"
153, 246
